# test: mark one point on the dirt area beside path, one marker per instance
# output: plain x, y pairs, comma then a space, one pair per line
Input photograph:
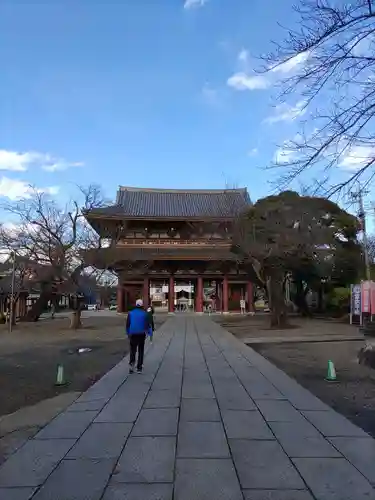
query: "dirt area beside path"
30, 355
258, 327
353, 395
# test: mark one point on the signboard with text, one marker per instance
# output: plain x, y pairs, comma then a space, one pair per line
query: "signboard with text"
355, 308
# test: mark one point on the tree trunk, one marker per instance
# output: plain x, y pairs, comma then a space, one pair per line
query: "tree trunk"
279, 316
300, 299
13, 318
39, 306
75, 321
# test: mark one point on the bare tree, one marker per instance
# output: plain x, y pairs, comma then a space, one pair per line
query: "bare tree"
52, 237
331, 59
371, 249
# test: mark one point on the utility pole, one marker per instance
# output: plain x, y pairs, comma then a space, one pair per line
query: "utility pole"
358, 196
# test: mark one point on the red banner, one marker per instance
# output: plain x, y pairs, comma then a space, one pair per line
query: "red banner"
367, 289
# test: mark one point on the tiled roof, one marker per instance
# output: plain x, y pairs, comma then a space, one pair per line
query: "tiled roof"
169, 203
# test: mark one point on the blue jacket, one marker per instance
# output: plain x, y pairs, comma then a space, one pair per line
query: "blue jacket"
137, 322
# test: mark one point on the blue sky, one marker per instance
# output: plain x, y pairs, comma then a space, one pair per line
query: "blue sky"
141, 93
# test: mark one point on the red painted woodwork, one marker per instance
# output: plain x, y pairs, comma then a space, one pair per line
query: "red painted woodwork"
120, 299
250, 296
225, 294
199, 296
171, 295
146, 291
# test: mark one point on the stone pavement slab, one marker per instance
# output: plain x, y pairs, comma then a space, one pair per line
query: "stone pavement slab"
246, 425
17, 493
95, 405
199, 410
201, 479
331, 424
334, 479
279, 411
76, 480
208, 419
101, 441
117, 491
263, 464
147, 460
277, 495
67, 425
33, 463
360, 452
202, 440
156, 422
163, 398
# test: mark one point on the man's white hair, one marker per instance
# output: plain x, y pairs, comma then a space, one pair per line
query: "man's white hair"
139, 302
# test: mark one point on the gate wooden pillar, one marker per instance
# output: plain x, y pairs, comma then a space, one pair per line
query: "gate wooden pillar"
250, 296
146, 292
120, 298
171, 295
199, 298
225, 295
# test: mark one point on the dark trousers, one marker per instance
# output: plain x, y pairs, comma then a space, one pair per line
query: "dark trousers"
137, 342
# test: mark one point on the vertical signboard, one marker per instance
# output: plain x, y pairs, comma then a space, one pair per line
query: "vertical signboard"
355, 303
372, 297
366, 297
356, 300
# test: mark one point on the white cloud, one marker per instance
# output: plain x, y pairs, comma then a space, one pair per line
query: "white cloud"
253, 152
14, 189
21, 161
248, 80
17, 162
286, 113
61, 165
243, 55
357, 157
210, 95
362, 47
290, 65
194, 4
242, 81
52, 190
284, 155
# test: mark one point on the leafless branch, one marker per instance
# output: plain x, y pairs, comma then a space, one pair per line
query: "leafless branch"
332, 60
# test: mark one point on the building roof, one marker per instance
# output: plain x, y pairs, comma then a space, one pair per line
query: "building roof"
174, 203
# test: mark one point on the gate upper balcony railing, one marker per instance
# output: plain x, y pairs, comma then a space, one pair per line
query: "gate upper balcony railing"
172, 242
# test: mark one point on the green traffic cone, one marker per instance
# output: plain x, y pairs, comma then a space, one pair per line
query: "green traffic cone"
331, 372
60, 380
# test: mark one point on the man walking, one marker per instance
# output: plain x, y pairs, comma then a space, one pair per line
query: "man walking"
137, 326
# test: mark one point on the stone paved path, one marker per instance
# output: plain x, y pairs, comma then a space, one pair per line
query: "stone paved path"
209, 419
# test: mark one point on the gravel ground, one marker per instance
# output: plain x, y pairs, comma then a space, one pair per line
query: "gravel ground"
30, 355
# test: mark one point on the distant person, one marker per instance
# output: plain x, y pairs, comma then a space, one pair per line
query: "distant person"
243, 306
151, 327
137, 325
